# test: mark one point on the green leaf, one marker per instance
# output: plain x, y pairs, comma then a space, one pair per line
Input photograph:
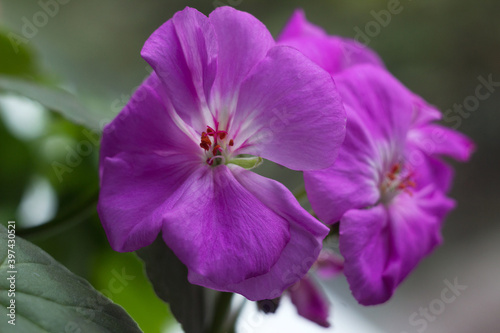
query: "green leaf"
49, 298
169, 278
55, 99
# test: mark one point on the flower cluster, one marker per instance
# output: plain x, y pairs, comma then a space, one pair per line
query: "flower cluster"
177, 160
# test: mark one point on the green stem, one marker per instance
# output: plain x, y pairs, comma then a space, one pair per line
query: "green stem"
231, 326
222, 307
300, 193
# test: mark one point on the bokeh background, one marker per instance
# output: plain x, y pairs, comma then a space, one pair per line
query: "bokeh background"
438, 48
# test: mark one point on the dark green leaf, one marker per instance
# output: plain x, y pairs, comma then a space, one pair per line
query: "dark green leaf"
49, 298
169, 278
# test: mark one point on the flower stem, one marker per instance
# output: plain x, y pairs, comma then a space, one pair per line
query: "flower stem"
222, 307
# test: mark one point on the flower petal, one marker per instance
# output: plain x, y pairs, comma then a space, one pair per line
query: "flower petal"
383, 104
134, 189
352, 182
302, 250
289, 112
183, 53
310, 301
332, 53
145, 125
221, 231
298, 26
329, 264
437, 140
242, 42
382, 245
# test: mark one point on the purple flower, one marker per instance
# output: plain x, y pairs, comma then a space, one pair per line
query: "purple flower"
332, 53
222, 97
387, 187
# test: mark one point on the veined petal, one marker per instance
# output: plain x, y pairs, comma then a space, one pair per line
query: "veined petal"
221, 231
242, 42
134, 190
381, 245
352, 182
183, 53
310, 301
145, 125
299, 254
289, 112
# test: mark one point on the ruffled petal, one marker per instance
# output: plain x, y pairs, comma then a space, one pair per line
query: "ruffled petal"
183, 53
302, 250
310, 301
381, 245
437, 140
332, 53
289, 112
242, 42
134, 190
352, 182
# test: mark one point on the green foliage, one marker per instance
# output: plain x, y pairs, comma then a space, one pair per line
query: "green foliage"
121, 277
169, 278
49, 298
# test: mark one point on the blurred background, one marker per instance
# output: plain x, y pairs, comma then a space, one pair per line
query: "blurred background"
440, 49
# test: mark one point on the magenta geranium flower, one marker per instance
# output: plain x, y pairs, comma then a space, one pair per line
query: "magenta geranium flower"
384, 186
222, 97
388, 186
332, 53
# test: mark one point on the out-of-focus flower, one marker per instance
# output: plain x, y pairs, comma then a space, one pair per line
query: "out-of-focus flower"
308, 297
222, 97
388, 186
385, 189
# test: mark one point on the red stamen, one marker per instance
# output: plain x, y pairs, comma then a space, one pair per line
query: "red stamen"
231, 142
222, 134
205, 141
395, 168
216, 150
211, 131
